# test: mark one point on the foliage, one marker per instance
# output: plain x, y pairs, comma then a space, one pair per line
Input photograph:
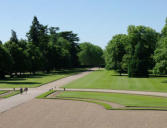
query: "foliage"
45, 50
164, 30
90, 55
160, 54
142, 41
160, 57
74, 46
5, 62
115, 51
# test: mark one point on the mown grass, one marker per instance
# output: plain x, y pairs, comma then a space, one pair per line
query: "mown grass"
123, 99
3, 91
10, 94
6, 95
103, 79
44, 95
39, 79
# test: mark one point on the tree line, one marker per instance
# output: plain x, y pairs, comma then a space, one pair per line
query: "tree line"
45, 49
140, 50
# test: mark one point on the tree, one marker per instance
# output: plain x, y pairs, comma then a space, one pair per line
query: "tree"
13, 37
74, 49
115, 51
160, 57
34, 58
164, 30
5, 62
160, 54
53, 34
34, 33
142, 41
65, 46
17, 51
90, 55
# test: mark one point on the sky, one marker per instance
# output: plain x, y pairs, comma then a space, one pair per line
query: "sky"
94, 21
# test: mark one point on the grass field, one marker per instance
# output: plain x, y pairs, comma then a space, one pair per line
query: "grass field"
3, 91
5, 94
123, 99
103, 79
38, 79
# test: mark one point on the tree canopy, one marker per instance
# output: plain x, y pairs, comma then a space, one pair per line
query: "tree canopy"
132, 53
90, 55
45, 49
115, 51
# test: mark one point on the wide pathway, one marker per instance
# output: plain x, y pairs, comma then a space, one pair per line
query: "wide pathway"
6, 104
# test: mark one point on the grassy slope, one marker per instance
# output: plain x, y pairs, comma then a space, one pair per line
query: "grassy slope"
124, 99
37, 80
109, 80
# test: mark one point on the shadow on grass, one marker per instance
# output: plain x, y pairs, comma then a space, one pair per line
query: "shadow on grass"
150, 76
69, 71
164, 81
119, 75
6, 82
155, 76
41, 75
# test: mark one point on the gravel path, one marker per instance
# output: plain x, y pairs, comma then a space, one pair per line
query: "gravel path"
75, 114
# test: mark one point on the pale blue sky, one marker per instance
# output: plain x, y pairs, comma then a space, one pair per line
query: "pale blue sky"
95, 21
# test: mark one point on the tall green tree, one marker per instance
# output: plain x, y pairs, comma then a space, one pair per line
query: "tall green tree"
73, 39
17, 52
34, 58
90, 55
13, 37
164, 30
38, 36
160, 54
160, 57
34, 33
65, 46
115, 51
142, 41
6, 62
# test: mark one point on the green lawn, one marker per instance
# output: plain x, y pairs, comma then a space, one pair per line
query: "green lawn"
10, 94
110, 80
6, 95
123, 99
3, 91
38, 79
44, 95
